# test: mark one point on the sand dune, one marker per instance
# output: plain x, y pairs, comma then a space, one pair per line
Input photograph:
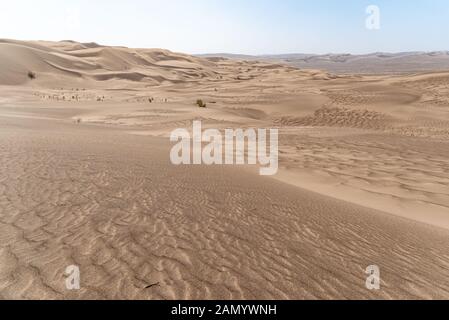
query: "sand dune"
95, 63
86, 178
373, 63
113, 204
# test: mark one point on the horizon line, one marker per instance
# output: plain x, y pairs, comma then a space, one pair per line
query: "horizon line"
237, 54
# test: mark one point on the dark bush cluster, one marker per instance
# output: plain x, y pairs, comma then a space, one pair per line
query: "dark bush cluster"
200, 103
31, 75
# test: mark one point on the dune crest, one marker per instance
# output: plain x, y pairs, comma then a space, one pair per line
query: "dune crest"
93, 62
86, 178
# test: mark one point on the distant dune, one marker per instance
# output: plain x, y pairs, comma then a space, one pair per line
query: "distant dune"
375, 63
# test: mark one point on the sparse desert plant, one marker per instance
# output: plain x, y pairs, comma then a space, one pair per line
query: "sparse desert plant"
200, 103
31, 75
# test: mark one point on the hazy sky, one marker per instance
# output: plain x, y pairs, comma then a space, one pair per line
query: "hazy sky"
234, 26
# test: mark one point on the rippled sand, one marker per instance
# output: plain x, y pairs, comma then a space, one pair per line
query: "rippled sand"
86, 180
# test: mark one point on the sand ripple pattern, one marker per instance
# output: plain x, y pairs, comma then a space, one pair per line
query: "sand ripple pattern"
114, 205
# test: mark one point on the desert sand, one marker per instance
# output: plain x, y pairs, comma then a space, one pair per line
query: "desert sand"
86, 178
373, 63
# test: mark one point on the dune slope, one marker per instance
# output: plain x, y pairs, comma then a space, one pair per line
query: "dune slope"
113, 205
86, 179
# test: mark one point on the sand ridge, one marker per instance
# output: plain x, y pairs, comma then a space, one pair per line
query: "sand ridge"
86, 179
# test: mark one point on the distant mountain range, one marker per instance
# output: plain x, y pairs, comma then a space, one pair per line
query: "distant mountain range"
377, 63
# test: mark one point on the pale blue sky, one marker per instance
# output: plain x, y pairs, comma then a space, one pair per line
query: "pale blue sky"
233, 26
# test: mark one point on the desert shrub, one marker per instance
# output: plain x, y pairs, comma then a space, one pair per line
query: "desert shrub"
200, 103
31, 75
